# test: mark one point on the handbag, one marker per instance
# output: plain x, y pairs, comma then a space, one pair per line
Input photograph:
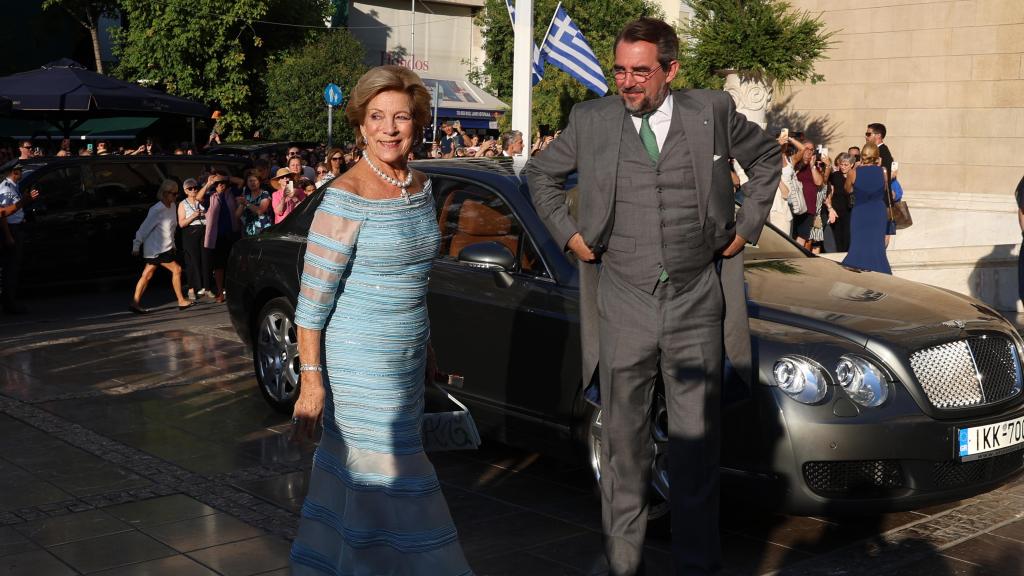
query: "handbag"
796, 195
897, 190
454, 430
899, 213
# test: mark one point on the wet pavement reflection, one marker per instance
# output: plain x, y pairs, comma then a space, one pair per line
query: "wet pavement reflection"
141, 445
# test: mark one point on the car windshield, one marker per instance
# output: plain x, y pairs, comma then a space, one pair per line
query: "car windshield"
772, 245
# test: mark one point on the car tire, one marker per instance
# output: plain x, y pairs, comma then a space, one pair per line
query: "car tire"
658, 504
276, 354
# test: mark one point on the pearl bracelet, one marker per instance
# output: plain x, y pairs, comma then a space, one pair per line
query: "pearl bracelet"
310, 368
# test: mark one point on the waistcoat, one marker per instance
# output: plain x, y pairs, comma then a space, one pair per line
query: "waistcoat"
657, 219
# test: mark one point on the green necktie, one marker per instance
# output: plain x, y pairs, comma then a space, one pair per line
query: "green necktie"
650, 142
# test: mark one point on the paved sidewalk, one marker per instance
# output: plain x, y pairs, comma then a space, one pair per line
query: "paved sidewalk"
140, 445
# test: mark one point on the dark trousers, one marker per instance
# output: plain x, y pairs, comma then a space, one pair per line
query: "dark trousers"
197, 264
841, 231
675, 332
10, 260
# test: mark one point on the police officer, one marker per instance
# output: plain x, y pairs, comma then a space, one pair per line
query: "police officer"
12, 234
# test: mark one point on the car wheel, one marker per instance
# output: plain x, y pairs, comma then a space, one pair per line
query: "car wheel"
658, 504
276, 354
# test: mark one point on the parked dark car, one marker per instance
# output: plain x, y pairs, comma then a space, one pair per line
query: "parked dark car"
81, 228
256, 147
872, 393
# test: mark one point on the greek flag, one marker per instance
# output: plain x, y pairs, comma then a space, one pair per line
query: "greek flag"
538, 62
566, 48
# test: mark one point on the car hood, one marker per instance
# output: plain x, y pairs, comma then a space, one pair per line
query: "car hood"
822, 295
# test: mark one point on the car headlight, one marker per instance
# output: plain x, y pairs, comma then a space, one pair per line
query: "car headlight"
863, 381
802, 379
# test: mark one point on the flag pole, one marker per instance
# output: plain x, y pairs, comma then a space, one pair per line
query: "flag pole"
522, 73
548, 31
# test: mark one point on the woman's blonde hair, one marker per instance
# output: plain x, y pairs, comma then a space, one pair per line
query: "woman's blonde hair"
387, 79
869, 153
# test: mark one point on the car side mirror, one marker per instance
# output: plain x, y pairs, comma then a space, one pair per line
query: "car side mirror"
493, 256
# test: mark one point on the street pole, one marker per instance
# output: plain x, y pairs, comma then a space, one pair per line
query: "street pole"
435, 92
522, 65
330, 126
412, 37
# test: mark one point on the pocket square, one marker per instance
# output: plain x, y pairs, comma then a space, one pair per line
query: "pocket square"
716, 158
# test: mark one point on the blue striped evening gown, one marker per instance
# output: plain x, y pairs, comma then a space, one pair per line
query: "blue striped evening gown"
374, 505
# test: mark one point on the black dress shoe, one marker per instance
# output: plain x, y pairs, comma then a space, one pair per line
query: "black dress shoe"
187, 306
137, 310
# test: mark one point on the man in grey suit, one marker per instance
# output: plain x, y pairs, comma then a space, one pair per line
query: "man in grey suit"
657, 235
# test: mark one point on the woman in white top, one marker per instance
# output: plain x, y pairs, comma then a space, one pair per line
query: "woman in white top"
155, 240
192, 220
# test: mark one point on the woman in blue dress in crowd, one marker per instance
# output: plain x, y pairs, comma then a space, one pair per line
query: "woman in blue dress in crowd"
374, 504
870, 215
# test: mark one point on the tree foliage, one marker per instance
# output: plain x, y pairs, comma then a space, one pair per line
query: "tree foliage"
765, 38
87, 13
553, 98
212, 51
295, 84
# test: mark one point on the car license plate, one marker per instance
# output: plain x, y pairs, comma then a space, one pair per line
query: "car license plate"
991, 439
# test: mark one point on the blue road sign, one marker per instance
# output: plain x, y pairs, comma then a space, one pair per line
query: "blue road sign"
332, 95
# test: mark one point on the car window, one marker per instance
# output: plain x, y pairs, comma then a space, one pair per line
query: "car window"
122, 184
59, 189
468, 214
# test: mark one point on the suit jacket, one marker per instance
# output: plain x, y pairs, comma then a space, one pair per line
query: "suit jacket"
714, 132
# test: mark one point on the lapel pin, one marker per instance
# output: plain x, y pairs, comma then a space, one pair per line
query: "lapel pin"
705, 122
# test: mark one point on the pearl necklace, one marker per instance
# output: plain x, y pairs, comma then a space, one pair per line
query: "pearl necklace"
404, 186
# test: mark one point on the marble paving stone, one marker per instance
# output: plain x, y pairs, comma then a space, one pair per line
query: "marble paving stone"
468, 507
281, 572
12, 542
19, 489
161, 510
72, 527
495, 536
519, 563
1013, 531
583, 551
110, 479
35, 563
202, 532
111, 551
170, 566
743, 555
278, 489
939, 565
1000, 555
214, 463
246, 557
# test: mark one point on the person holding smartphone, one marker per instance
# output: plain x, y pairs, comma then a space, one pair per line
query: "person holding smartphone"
286, 195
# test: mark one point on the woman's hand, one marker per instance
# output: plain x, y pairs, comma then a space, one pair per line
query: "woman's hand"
309, 407
832, 216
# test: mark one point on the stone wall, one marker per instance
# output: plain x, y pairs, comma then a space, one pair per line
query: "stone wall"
946, 77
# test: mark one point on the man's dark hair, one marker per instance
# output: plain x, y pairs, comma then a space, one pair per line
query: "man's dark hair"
878, 128
656, 32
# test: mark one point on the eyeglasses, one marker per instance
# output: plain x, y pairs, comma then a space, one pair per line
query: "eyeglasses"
336, 158
320, 172
29, 147
290, 154
219, 182
190, 187
869, 134
640, 76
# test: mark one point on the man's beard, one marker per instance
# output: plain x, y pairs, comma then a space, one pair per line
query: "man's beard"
649, 103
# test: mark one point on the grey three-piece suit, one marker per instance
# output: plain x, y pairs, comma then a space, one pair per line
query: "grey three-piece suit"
643, 219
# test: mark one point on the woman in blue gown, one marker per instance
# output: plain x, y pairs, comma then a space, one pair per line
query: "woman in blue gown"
870, 215
374, 505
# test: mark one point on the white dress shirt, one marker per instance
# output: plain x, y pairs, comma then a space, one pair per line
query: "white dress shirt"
156, 235
660, 121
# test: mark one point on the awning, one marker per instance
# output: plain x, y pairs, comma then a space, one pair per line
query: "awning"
468, 103
119, 128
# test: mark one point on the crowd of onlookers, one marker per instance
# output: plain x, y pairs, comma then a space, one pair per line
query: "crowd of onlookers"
826, 207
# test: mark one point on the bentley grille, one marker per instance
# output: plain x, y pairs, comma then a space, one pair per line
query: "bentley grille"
972, 372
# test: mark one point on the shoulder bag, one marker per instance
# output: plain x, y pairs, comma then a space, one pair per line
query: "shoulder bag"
796, 190
899, 212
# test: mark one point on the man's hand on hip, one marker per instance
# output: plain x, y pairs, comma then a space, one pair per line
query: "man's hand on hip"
580, 248
734, 247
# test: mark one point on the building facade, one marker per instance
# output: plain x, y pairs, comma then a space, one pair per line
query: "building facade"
946, 77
